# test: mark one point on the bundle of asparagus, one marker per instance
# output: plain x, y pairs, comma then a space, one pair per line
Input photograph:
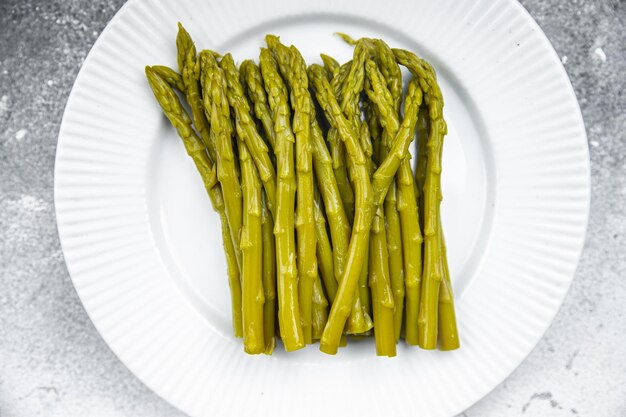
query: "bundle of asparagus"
309, 170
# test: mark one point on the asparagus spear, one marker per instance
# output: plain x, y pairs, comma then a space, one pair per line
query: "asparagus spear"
394, 248
433, 268
269, 278
340, 226
422, 155
337, 148
320, 309
256, 145
448, 332
324, 249
368, 194
305, 209
293, 69
363, 290
392, 76
189, 67
340, 309
350, 93
358, 321
338, 155
252, 76
252, 249
221, 133
288, 303
382, 296
407, 203
179, 118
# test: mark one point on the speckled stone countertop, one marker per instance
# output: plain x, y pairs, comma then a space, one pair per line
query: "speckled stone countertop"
54, 363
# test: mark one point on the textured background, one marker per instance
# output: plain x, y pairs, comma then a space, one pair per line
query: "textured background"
54, 363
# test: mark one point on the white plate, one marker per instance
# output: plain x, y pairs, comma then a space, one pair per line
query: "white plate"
143, 245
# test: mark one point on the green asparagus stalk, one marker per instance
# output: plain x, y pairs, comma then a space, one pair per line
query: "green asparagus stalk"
364, 293
396, 265
305, 225
288, 303
341, 308
194, 146
293, 68
337, 148
385, 172
252, 76
245, 123
358, 321
269, 278
324, 249
252, 249
406, 202
382, 296
392, 76
189, 67
340, 226
422, 155
448, 332
350, 94
433, 269
338, 155
221, 132
320, 309
367, 193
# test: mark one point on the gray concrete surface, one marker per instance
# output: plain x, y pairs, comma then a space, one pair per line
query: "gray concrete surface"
54, 363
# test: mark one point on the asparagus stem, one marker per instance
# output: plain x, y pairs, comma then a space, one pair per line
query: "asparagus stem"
269, 278
422, 156
358, 321
324, 249
252, 249
448, 331
305, 227
221, 132
364, 293
382, 296
338, 155
392, 97
194, 146
252, 75
293, 69
367, 193
234, 278
394, 248
433, 270
340, 225
245, 123
350, 93
406, 205
320, 309
288, 304
341, 308
189, 67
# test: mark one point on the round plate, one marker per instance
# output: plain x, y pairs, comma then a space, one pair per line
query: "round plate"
143, 246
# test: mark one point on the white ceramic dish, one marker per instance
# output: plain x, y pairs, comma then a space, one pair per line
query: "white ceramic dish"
143, 246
